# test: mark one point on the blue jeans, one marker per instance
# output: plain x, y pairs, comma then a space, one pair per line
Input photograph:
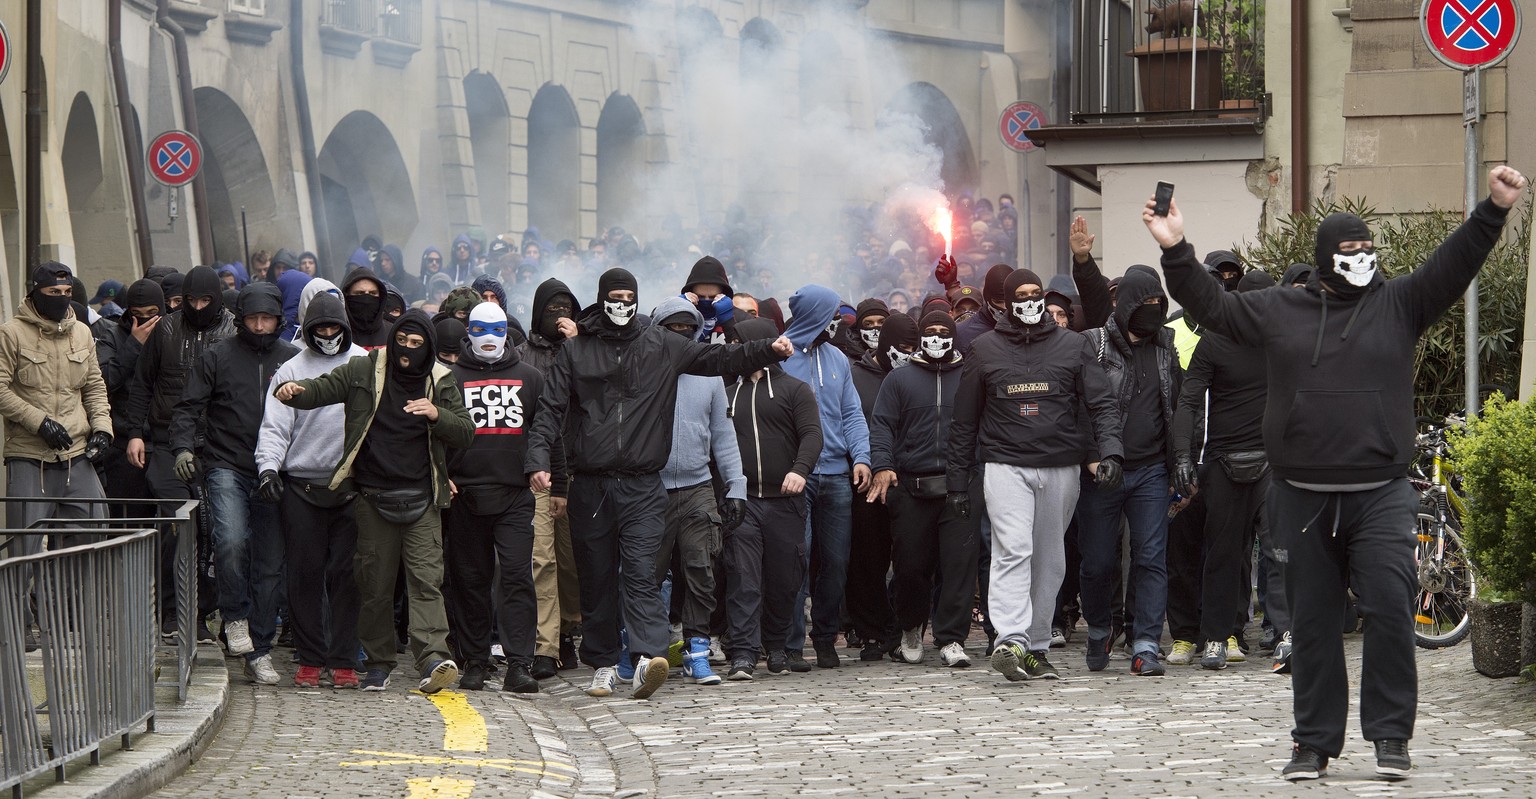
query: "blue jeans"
248, 555
1143, 498
828, 538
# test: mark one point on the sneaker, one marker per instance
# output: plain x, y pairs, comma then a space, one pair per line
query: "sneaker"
677, 653
568, 658
796, 660
345, 679
778, 662
1392, 759
1306, 764
603, 681
168, 628
1282, 655
1098, 652
544, 667
1058, 638
1146, 664
1008, 659
716, 653
473, 679
205, 635
827, 657
237, 634
307, 677
626, 667
953, 655
696, 663
911, 650
285, 638
1235, 653
1215, 657
375, 680
259, 670
29, 641
440, 675
650, 673
518, 680
1183, 653
873, 650
741, 670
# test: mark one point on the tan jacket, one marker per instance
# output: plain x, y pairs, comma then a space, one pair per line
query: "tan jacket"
48, 370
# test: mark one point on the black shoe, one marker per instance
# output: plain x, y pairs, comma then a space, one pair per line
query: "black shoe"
168, 628
855, 641
519, 681
1098, 652
741, 670
286, 638
797, 661
778, 662
474, 678
568, 659
827, 657
1306, 764
544, 667
205, 635
1392, 759
30, 644
873, 650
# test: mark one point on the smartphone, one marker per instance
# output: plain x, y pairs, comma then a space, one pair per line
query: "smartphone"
1162, 198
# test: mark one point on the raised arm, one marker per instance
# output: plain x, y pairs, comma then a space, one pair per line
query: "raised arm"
1443, 278
1235, 316
1092, 286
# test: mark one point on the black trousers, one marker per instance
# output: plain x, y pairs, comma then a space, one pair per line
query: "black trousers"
765, 565
163, 483
867, 598
1186, 558
473, 547
1232, 511
1068, 609
616, 531
1364, 538
322, 597
928, 539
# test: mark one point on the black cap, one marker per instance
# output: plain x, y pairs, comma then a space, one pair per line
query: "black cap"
50, 273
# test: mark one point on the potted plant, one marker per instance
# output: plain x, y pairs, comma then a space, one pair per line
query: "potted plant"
1496, 458
1237, 27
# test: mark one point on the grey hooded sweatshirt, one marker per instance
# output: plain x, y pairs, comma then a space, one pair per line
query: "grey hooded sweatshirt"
700, 427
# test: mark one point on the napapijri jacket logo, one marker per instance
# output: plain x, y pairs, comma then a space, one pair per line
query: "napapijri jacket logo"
1028, 388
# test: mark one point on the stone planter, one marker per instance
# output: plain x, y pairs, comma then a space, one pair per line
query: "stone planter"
1169, 70
1528, 636
1496, 644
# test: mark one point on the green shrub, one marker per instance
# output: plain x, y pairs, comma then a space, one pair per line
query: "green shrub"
1496, 458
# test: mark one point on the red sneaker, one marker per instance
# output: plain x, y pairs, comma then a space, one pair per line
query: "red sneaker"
307, 677
344, 679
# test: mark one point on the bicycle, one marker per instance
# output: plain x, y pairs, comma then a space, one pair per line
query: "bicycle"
1447, 581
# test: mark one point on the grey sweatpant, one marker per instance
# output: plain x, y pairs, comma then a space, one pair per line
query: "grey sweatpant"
1029, 509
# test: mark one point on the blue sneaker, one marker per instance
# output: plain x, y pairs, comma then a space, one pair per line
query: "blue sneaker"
626, 663
375, 680
1098, 652
1147, 664
696, 663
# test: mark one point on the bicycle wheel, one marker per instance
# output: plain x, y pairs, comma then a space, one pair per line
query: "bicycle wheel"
1446, 584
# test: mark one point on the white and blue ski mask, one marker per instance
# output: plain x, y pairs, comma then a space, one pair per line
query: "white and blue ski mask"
488, 331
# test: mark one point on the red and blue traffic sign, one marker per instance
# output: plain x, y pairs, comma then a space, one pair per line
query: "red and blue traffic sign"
5, 52
1016, 123
1470, 34
175, 157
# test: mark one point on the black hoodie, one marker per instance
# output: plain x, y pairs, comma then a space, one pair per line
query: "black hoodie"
539, 351
1147, 434
778, 424
170, 354
909, 430
1340, 404
370, 330
501, 398
117, 352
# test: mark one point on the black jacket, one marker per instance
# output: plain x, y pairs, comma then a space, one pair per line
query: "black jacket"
537, 351
868, 374
1113, 350
502, 399
162, 373
778, 428
909, 431
117, 352
225, 396
619, 387
1092, 293
1021, 390
1340, 402
1238, 384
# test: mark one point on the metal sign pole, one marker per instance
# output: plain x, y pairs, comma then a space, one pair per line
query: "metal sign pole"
1471, 110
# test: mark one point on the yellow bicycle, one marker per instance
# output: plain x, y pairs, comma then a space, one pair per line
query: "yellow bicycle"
1447, 581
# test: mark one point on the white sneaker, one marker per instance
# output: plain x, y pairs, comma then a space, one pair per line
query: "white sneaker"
1058, 638
954, 656
650, 673
260, 671
603, 681
238, 636
440, 676
716, 653
912, 645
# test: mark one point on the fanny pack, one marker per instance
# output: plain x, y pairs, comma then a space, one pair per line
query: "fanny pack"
318, 494
931, 487
1245, 467
400, 505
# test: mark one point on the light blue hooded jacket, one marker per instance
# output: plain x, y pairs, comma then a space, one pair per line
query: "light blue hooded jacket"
699, 426
845, 433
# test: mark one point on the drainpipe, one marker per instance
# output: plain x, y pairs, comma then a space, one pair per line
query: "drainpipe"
1298, 107
33, 239
189, 119
130, 148
306, 129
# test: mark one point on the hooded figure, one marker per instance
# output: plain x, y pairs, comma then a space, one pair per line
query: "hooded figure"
1348, 274
202, 283
485, 283
171, 283
552, 301
118, 351
231, 301
1224, 266
316, 286
1296, 276
993, 308
450, 339
460, 265
236, 271
392, 269
394, 305
365, 311
291, 284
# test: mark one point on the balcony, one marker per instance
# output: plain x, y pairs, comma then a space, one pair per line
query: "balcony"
394, 26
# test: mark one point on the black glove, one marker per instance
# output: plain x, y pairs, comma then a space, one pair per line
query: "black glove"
96, 445
732, 513
1110, 475
960, 503
1185, 478
54, 434
271, 486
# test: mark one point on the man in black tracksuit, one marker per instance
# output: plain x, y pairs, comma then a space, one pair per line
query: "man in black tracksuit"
778, 426
491, 519
363, 292
1225, 385
618, 383
119, 343
1339, 434
908, 440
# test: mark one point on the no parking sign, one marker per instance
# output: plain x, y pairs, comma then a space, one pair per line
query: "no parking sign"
1470, 34
1016, 123
175, 157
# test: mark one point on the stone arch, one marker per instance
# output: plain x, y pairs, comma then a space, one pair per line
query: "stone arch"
83, 177
10, 208
554, 164
235, 175
490, 140
621, 163
943, 129
365, 187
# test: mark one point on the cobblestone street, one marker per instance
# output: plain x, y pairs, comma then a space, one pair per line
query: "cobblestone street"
879, 729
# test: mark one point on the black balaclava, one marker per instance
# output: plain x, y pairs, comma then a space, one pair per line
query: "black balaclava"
992, 293
618, 315
1131, 315
77, 291
937, 349
1296, 273
899, 329
258, 298
141, 292
1342, 280
1024, 314
326, 308
869, 307
450, 336
50, 307
1215, 260
1060, 300
202, 281
1255, 280
170, 285
549, 322
365, 311
421, 358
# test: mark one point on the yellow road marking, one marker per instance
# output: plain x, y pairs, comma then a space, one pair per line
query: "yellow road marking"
463, 726
439, 788
539, 767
